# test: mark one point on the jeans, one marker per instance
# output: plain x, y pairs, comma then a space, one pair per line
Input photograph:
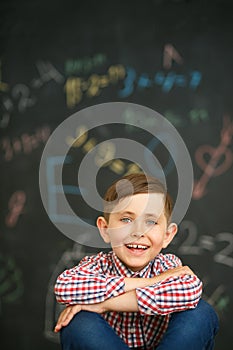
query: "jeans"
192, 329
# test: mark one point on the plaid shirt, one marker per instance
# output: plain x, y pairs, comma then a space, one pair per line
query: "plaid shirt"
100, 277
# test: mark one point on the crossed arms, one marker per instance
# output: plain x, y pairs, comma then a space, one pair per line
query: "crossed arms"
175, 289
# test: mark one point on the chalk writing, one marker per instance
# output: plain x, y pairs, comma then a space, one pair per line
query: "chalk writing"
170, 54
15, 206
222, 256
47, 73
21, 93
167, 81
85, 64
21, 96
188, 246
104, 153
54, 190
76, 87
222, 303
6, 109
220, 161
23, 144
154, 169
195, 244
11, 284
218, 297
194, 116
81, 136
198, 115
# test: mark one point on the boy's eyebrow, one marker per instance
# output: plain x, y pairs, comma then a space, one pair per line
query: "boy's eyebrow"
126, 213
131, 213
152, 214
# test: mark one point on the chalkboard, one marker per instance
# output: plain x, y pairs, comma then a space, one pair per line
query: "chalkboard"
58, 58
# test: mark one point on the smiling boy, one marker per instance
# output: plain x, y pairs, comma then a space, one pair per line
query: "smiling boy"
132, 296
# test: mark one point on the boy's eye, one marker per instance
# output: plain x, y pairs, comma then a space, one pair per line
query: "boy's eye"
126, 220
151, 222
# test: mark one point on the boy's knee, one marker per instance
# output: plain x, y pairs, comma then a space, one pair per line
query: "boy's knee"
83, 321
90, 331
206, 313
77, 334
191, 329
200, 321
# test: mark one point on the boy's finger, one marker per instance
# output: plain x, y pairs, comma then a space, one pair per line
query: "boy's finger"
64, 318
63, 321
60, 324
57, 328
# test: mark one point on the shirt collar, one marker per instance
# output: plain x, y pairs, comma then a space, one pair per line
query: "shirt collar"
123, 270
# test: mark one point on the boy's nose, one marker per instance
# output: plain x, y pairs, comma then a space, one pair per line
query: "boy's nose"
137, 234
138, 229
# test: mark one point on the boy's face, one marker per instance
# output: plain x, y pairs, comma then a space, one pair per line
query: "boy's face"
137, 229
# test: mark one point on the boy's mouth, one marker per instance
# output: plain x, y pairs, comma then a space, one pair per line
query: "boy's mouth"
137, 247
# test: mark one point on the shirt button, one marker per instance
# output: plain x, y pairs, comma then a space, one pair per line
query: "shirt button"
132, 330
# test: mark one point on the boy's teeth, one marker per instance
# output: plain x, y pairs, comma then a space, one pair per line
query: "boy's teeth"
136, 246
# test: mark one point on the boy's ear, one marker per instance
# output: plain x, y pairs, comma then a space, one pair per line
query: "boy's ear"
102, 226
170, 233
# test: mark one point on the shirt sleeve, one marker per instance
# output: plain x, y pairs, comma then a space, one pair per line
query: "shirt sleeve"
87, 284
171, 295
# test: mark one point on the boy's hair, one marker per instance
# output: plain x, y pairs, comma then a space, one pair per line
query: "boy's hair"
134, 184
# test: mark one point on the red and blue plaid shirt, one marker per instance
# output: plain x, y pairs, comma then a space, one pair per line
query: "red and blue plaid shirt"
101, 276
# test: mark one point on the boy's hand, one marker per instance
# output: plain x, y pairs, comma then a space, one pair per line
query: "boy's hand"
176, 272
66, 316
132, 283
70, 311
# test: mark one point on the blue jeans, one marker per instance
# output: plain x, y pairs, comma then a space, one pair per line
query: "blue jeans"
192, 329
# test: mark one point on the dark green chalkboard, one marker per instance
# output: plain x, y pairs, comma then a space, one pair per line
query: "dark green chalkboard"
57, 58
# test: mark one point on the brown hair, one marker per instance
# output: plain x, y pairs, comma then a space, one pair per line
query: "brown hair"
139, 183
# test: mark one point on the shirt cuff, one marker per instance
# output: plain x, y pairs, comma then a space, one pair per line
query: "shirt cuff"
145, 301
115, 286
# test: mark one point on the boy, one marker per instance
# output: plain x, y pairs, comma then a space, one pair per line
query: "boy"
134, 296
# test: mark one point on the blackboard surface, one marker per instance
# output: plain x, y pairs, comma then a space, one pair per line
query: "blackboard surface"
58, 58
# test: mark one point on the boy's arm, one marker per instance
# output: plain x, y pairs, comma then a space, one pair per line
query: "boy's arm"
131, 302
171, 295
133, 283
177, 288
87, 283
77, 286
174, 290
123, 303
